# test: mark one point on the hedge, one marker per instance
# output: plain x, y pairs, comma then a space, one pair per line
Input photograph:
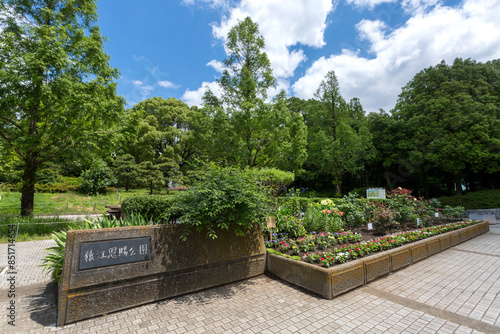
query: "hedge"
484, 199
159, 208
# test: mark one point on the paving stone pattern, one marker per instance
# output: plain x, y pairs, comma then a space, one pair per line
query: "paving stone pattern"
29, 257
456, 291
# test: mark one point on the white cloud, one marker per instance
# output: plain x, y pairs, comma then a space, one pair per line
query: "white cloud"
217, 65
194, 97
469, 31
167, 84
283, 24
137, 83
368, 3
210, 3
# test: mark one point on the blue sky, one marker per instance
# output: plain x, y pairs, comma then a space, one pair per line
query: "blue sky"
174, 48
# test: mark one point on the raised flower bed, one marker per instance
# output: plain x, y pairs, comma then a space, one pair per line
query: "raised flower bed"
337, 271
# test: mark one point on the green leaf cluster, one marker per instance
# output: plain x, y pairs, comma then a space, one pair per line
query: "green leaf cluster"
224, 198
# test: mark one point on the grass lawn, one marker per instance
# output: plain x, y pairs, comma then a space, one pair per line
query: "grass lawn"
40, 228
66, 203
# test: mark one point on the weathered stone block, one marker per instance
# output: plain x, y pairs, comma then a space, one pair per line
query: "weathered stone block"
173, 267
470, 232
445, 241
463, 234
433, 246
377, 266
346, 277
400, 258
418, 251
306, 275
455, 238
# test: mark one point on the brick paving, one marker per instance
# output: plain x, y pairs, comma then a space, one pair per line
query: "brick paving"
456, 291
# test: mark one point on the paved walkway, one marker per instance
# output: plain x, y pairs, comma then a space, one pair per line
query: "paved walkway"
455, 291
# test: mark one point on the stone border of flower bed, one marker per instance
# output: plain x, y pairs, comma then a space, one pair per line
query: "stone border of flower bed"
331, 282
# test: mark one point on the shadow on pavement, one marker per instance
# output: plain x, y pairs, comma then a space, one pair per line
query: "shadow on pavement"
43, 304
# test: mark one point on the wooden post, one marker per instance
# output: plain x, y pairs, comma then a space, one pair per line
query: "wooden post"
270, 223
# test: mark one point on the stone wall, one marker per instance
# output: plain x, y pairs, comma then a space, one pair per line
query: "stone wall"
107, 270
495, 212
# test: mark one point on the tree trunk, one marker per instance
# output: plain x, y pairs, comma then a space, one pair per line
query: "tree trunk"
28, 188
458, 184
426, 183
338, 189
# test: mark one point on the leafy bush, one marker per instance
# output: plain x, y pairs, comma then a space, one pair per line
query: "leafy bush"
224, 198
453, 212
323, 216
56, 188
352, 207
276, 180
288, 222
403, 205
96, 180
47, 176
159, 208
484, 199
383, 218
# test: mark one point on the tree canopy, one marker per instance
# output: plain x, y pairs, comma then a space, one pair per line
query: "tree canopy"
246, 129
451, 115
56, 84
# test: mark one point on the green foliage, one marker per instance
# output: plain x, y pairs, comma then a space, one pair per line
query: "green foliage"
352, 207
244, 129
453, 212
126, 171
57, 89
484, 199
272, 251
288, 221
449, 117
323, 216
159, 208
339, 141
403, 206
54, 260
224, 198
30, 226
276, 180
382, 218
96, 180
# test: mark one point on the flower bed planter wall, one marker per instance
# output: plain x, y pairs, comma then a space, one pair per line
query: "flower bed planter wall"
336, 280
169, 267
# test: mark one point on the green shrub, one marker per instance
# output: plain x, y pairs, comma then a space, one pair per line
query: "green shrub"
159, 208
96, 180
56, 188
453, 212
383, 218
484, 199
323, 216
276, 180
352, 207
224, 198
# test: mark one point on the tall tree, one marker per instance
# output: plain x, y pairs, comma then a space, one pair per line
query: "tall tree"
339, 139
161, 132
56, 84
452, 117
247, 129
